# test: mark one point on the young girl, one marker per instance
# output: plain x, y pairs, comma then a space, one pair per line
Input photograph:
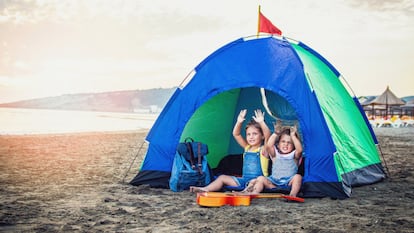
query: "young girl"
256, 133
285, 160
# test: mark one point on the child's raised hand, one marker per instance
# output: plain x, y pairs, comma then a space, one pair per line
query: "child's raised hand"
293, 130
258, 116
278, 127
242, 116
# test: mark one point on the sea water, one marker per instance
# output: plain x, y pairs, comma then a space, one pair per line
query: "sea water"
18, 121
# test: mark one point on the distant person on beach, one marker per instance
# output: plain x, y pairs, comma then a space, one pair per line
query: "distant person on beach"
257, 132
285, 150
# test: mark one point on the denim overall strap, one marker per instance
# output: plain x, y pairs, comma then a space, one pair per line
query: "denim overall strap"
251, 165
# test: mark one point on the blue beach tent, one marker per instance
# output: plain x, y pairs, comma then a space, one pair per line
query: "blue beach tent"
289, 81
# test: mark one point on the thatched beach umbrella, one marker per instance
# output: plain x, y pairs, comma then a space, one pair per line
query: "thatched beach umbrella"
387, 98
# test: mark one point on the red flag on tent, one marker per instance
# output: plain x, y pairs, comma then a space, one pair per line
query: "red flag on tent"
266, 26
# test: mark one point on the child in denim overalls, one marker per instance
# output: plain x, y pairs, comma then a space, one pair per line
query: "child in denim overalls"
256, 133
285, 151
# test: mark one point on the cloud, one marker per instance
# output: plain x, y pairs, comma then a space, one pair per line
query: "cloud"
400, 6
124, 43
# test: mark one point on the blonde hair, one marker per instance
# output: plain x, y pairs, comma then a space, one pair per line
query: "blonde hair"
253, 123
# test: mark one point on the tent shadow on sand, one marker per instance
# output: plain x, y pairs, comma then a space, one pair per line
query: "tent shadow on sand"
291, 82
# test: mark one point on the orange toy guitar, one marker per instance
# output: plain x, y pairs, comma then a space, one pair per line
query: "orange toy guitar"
217, 199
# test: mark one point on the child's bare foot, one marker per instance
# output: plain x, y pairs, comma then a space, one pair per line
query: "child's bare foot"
195, 189
248, 189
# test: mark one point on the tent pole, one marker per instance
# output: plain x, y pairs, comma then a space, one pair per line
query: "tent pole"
387, 173
139, 150
258, 23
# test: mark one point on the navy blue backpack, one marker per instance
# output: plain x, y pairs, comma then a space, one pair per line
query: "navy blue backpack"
190, 167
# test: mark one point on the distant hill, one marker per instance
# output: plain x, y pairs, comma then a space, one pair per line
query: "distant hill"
364, 99
117, 101
150, 100
408, 98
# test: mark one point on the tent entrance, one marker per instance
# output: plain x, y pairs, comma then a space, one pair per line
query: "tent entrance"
213, 122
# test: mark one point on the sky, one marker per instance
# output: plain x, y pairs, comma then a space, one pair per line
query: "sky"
55, 47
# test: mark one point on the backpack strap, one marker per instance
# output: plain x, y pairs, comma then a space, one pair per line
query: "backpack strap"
190, 149
199, 158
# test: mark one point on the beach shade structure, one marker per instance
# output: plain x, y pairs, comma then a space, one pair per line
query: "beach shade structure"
289, 81
408, 108
384, 101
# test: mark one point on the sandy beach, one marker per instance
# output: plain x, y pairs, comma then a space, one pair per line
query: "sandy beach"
75, 183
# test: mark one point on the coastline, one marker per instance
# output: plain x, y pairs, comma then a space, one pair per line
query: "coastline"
21, 121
